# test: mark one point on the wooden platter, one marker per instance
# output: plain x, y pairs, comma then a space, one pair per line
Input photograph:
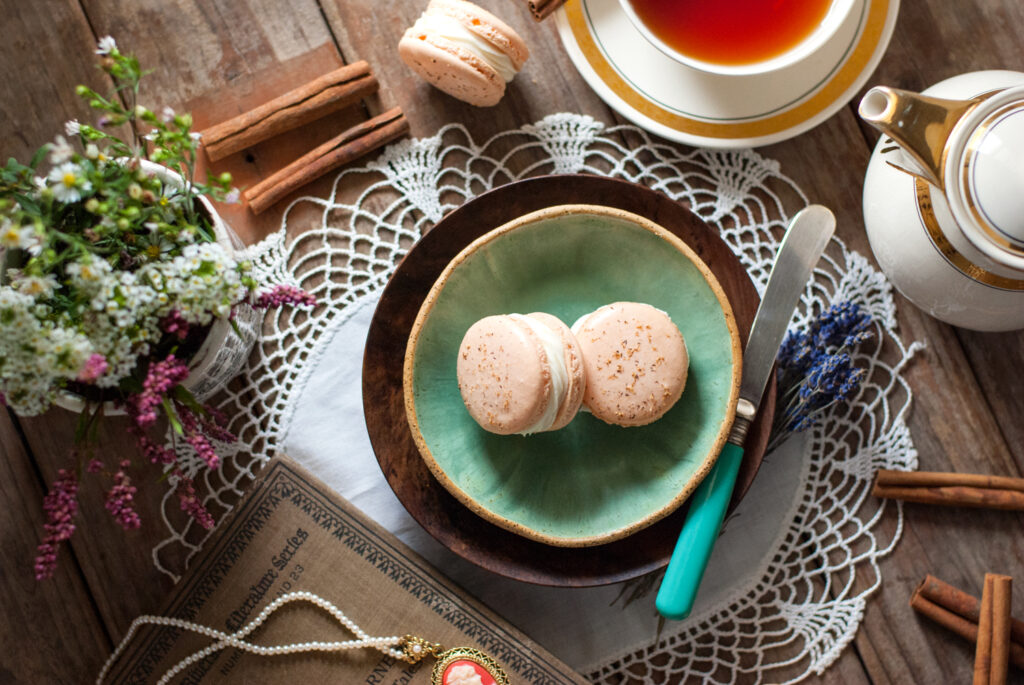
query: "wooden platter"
452, 524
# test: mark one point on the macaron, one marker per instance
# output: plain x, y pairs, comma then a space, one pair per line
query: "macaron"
635, 360
521, 373
463, 50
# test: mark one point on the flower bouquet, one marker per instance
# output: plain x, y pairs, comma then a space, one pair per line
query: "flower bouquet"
117, 275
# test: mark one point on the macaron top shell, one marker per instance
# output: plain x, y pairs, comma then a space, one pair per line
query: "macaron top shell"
635, 360
503, 374
487, 26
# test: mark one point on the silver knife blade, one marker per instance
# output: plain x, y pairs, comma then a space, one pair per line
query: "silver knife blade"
805, 239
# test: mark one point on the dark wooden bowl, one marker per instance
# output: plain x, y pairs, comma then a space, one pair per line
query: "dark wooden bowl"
454, 526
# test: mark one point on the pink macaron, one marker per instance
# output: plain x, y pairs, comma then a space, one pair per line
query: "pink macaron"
463, 50
521, 373
635, 360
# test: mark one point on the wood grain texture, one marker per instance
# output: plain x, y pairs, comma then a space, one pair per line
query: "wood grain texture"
219, 59
37, 92
547, 83
49, 630
112, 559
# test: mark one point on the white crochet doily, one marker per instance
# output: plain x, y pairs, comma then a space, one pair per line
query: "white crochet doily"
805, 602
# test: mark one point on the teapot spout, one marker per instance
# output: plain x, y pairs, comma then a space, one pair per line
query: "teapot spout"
920, 124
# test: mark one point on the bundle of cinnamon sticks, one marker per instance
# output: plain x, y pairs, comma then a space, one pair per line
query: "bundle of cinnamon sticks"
328, 93
951, 489
999, 638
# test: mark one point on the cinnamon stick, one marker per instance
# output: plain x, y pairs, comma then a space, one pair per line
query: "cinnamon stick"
959, 602
319, 97
1002, 587
541, 9
991, 655
951, 489
352, 144
959, 612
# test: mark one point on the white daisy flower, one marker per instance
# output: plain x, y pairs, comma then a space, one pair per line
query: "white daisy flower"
167, 115
37, 286
60, 151
106, 45
12, 236
72, 128
91, 151
68, 184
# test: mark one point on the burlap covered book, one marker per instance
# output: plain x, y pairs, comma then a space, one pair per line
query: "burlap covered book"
290, 532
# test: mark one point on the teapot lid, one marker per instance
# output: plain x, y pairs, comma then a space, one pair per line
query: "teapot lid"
989, 175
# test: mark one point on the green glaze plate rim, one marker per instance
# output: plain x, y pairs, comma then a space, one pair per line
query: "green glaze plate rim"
425, 311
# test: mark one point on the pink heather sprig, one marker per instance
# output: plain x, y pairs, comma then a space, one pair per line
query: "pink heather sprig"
283, 294
94, 466
194, 437
190, 503
94, 367
214, 425
154, 452
161, 378
174, 324
60, 506
119, 499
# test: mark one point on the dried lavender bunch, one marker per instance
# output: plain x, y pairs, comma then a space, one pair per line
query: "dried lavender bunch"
815, 369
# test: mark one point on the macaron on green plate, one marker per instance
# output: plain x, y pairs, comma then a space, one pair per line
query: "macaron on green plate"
589, 483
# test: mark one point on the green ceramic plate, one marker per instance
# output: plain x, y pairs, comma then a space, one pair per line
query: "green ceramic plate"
589, 483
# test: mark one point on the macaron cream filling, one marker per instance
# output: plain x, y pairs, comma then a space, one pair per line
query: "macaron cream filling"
452, 30
554, 348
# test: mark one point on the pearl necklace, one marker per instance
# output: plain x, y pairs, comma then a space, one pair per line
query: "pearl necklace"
408, 648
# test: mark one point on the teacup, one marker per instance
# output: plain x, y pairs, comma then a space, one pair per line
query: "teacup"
810, 26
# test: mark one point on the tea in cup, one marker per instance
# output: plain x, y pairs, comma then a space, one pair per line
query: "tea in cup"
737, 37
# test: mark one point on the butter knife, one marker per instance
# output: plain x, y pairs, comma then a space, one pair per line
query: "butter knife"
805, 239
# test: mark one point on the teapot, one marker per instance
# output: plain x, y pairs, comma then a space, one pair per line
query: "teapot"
944, 196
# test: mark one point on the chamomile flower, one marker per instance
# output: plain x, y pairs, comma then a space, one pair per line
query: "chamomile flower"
68, 182
106, 45
37, 286
60, 151
13, 236
72, 127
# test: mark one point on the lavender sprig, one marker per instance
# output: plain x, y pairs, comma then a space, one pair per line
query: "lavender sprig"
815, 369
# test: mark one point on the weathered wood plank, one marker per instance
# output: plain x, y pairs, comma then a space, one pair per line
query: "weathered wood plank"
49, 630
45, 50
219, 59
112, 559
548, 82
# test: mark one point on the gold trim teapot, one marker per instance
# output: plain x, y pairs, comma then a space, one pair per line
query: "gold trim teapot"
944, 196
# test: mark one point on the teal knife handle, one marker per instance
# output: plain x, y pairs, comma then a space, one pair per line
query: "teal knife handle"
690, 557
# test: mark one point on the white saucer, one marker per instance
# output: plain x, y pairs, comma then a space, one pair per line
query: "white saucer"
689, 106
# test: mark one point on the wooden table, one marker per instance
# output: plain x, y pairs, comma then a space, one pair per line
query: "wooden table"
217, 57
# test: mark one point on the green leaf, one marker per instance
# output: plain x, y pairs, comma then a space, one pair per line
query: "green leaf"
185, 396
172, 416
37, 157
